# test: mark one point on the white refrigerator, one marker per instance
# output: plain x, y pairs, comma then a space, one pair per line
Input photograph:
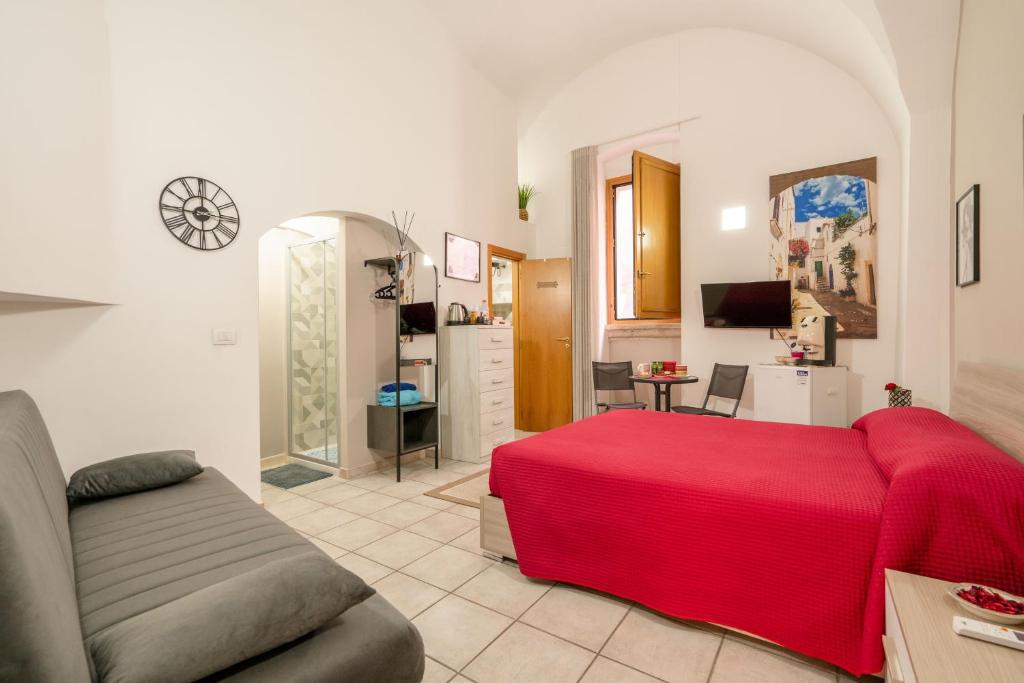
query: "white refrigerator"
801, 394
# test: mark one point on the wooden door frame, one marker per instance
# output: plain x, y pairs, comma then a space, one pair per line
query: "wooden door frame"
514, 258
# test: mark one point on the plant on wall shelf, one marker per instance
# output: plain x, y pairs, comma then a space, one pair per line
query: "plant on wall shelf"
526, 194
847, 257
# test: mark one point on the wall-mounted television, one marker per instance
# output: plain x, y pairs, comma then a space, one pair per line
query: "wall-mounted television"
747, 304
419, 318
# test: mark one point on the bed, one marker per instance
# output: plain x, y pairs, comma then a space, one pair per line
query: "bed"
781, 531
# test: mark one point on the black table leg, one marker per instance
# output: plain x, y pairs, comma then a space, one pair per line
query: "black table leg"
668, 398
657, 397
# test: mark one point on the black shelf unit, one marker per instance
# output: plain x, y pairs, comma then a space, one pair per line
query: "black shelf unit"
399, 429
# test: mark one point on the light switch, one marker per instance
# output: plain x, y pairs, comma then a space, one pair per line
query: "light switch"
225, 336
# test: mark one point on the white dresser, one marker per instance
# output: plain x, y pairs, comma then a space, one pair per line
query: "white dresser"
801, 394
477, 390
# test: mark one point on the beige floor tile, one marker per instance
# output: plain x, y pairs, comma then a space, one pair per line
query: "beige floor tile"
465, 468
774, 649
432, 502
405, 489
461, 679
443, 527
336, 494
410, 596
293, 507
504, 589
318, 485
447, 567
333, 551
436, 477
403, 514
467, 512
455, 630
367, 503
372, 482
524, 655
324, 519
398, 549
469, 541
663, 648
604, 670
272, 494
581, 616
436, 672
367, 570
355, 535
738, 663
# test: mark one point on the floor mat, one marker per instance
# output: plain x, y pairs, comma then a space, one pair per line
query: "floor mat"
465, 491
291, 475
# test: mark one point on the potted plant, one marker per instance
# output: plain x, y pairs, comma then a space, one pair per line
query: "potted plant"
898, 396
526, 194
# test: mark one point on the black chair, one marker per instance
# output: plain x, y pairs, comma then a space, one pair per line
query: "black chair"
726, 382
615, 377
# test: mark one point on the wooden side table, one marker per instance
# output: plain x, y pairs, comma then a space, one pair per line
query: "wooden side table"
920, 646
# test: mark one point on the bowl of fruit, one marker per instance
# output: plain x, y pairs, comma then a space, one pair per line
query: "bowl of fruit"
988, 603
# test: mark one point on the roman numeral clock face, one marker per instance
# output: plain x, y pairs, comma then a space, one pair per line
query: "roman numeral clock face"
199, 213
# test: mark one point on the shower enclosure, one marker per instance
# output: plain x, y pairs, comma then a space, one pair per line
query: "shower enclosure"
313, 351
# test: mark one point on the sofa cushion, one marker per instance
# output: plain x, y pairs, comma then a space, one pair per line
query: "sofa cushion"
227, 623
44, 643
370, 643
136, 552
132, 473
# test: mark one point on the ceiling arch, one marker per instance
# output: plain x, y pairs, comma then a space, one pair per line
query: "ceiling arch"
531, 48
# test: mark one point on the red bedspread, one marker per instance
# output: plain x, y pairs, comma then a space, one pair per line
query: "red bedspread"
779, 530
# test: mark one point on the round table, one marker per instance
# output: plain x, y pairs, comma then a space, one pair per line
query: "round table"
663, 383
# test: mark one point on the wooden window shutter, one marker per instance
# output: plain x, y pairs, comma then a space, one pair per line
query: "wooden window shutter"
656, 237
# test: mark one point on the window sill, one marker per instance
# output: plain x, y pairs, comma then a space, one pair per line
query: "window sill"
644, 330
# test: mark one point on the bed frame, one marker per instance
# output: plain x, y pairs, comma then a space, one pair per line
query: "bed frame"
987, 398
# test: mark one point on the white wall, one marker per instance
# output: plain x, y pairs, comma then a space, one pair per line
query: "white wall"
989, 150
55, 157
764, 107
326, 105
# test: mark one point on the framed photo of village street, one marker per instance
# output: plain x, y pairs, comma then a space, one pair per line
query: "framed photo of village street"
824, 240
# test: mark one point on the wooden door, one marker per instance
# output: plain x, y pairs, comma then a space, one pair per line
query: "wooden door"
544, 364
656, 235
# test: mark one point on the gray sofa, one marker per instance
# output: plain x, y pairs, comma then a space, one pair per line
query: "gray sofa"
67, 575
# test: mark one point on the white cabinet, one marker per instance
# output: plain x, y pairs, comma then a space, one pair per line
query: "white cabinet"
478, 390
801, 394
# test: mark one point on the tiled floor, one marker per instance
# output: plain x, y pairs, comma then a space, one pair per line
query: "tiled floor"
483, 621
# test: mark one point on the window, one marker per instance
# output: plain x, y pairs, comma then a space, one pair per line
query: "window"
643, 270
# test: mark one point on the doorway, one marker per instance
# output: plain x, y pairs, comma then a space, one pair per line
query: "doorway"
544, 357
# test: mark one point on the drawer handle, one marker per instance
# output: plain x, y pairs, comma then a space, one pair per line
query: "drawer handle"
497, 381
498, 442
497, 401
496, 339
498, 422
497, 361
892, 660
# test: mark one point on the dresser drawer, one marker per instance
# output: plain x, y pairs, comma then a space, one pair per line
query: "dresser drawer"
492, 380
491, 441
495, 337
497, 400
495, 359
496, 421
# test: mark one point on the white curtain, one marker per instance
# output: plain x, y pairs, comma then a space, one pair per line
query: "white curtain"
584, 220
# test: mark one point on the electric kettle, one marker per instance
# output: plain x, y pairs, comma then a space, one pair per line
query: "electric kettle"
457, 314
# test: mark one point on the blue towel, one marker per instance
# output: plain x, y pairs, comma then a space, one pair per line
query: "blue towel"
407, 396
390, 388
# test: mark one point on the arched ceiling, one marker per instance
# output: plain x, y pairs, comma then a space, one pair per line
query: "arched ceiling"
531, 48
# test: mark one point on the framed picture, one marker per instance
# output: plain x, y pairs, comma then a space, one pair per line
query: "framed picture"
968, 252
461, 258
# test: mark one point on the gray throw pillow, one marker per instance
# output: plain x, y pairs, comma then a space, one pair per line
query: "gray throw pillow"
228, 622
133, 473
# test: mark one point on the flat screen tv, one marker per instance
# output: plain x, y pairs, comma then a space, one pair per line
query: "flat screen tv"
419, 318
747, 304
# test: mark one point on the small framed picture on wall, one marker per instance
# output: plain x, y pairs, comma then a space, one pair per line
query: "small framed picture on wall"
461, 258
968, 251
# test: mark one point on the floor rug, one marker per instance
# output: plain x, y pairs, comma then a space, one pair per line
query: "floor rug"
465, 491
291, 475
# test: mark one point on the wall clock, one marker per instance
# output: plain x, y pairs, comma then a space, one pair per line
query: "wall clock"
199, 213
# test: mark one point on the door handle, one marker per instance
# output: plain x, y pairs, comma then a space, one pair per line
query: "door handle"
562, 339
643, 273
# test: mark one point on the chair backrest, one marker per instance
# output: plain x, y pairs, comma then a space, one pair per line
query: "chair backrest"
613, 376
40, 633
727, 382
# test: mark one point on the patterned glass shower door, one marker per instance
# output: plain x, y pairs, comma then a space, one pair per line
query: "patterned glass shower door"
313, 351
